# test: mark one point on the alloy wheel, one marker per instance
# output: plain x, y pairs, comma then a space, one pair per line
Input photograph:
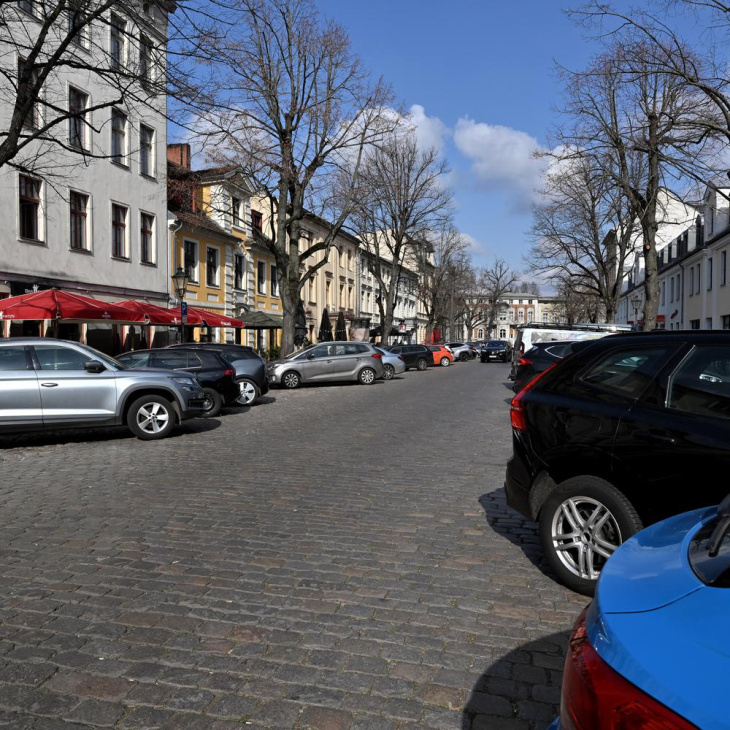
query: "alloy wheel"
247, 393
152, 417
389, 373
584, 536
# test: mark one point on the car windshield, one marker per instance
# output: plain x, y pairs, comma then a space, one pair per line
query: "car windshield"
299, 353
495, 343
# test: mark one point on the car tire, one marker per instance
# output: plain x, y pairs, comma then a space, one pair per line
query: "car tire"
151, 417
367, 376
567, 519
213, 397
291, 380
388, 372
249, 392
421, 364
463, 357
445, 362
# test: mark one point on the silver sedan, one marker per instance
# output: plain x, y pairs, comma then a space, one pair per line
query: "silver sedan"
392, 364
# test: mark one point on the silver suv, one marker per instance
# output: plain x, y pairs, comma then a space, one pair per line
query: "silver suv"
52, 384
327, 362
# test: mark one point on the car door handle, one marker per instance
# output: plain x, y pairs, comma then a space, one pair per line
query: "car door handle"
49, 385
655, 436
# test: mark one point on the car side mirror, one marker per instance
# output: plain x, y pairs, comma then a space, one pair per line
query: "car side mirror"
94, 366
310, 356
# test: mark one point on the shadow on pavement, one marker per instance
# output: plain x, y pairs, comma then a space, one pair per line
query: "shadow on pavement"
96, 435
513, 526
524, 685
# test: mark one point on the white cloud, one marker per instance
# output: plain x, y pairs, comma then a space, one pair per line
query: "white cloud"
430, 131
476, 247
502, 158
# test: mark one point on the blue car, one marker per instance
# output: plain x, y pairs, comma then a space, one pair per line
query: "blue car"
653, 649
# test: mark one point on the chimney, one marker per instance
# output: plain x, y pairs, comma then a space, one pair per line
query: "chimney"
179, 154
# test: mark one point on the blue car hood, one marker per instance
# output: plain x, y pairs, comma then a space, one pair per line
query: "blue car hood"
660, 627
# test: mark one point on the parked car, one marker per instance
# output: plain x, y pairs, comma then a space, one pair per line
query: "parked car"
54, 384
441, 355
613, 437
461, 351
652, 650
415, 356
328, 362
529, 334
538, 358
215, 374
250, 368
392, 364
496, 350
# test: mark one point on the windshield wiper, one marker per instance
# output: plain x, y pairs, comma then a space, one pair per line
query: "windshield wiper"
718, 534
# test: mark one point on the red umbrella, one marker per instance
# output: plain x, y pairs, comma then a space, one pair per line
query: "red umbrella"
160, 315
215, 320
65, 306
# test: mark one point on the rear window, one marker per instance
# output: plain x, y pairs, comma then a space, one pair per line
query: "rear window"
701, 384
628, 371
13, 358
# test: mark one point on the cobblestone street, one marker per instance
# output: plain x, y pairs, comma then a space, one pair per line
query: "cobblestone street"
337, 558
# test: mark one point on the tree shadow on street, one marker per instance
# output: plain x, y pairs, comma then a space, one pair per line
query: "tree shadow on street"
514, 527
524, 685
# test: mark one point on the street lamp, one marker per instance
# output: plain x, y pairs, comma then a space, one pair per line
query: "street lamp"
180, 281
636, 303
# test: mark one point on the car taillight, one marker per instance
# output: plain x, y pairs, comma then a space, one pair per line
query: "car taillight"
524, 361
517, 411
377, 356
229, 373
400, 357
596, 696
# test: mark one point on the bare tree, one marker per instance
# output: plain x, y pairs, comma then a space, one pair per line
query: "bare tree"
46, 129
446, 253
401, 198
583, 229
292, 108
495, 281
650, 125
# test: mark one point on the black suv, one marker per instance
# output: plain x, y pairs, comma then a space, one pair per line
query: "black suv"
215, 375
415, 356
628, 430
496, 350
249, 366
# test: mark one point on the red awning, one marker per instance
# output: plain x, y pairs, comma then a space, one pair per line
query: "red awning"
161, 315
65, 306
211, 319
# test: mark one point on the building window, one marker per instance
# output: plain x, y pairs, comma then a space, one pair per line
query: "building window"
239, 268
699, 278
146, 150
146, 65
694, 324
544, 317
27, 80
257, 220
119, 137
211, 266
274, 282
77, 103
190, 256
30, 208
709, 274
726, 321
147, 238
28, 5
723, 268
671, 289
708, 323
119, 231
350, 298
261, 278
236, 206
328, 293
117, 50
502, 334
529, 315
79, 205
663, 293
521, 315
312, 289
77, 21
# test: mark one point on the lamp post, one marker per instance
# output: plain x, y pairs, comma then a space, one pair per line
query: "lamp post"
180, 281
636, 303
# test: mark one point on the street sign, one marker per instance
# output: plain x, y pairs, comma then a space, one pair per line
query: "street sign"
184, 312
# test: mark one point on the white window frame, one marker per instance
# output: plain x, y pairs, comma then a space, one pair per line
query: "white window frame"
85, 141
87, 223
193, 272
122, 28
122, 161
153, 241
152, 167
125, 245
40, 211
261, 280
274, 283
217, 279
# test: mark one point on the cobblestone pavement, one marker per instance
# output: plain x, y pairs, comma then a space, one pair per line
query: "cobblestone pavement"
337, 558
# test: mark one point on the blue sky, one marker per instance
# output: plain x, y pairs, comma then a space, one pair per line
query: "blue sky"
483, 72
